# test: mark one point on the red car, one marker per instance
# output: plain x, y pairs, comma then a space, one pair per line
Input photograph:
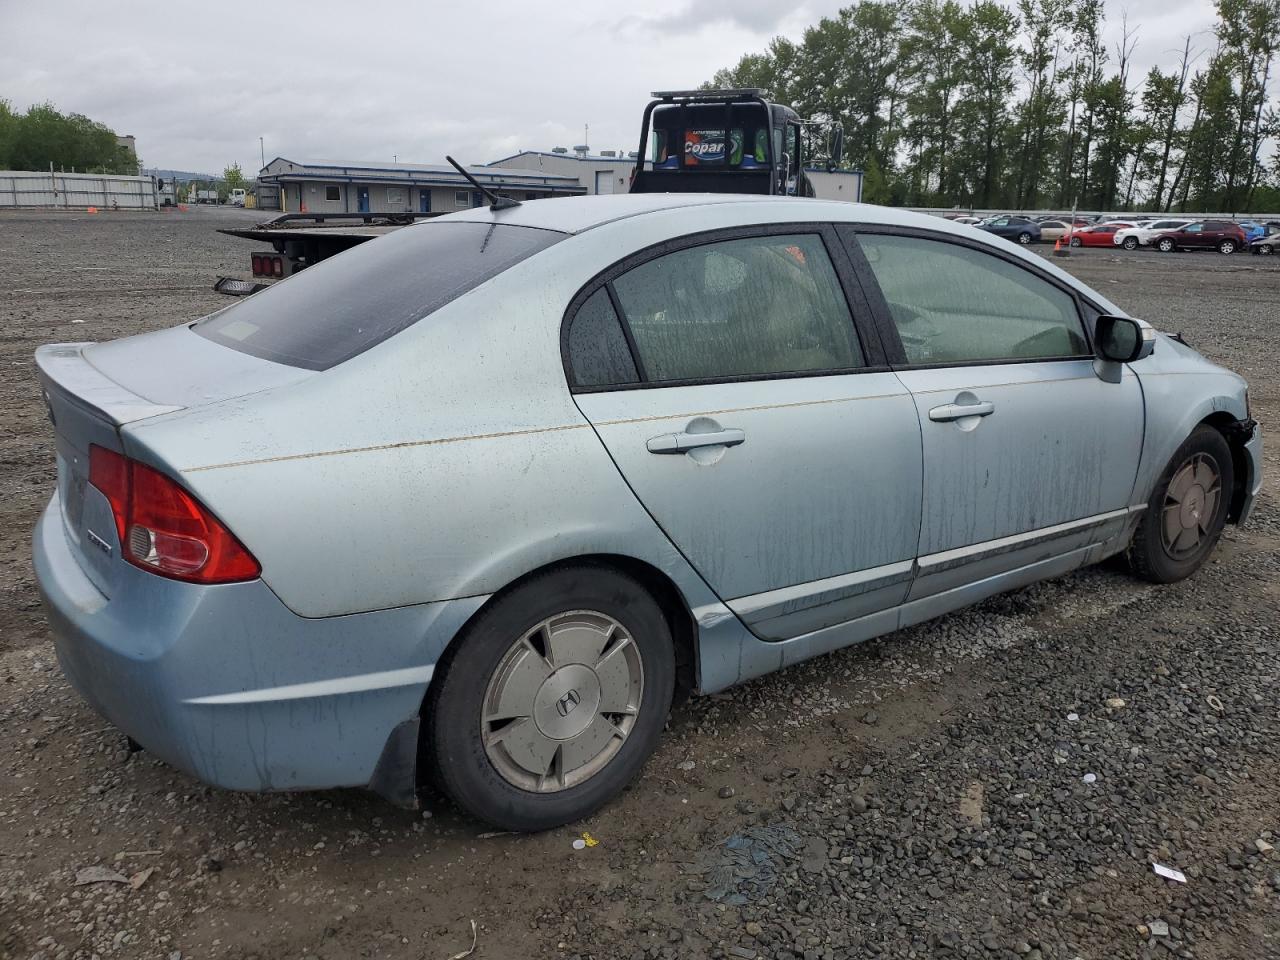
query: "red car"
1099, 235
1221, 235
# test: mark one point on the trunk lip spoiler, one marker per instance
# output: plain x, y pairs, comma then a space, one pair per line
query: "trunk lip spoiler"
64, 367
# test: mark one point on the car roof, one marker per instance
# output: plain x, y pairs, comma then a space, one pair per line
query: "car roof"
579, 214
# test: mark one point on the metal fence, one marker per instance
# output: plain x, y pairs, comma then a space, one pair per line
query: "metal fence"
27, 189
1046, 212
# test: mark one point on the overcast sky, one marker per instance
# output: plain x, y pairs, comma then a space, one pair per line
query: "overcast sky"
414, 80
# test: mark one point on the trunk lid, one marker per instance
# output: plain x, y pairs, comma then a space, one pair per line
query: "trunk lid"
94, 391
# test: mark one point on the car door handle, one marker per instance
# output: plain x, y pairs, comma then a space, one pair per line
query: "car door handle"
957, 411
682, 442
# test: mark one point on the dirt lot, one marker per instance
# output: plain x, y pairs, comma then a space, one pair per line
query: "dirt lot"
920, 795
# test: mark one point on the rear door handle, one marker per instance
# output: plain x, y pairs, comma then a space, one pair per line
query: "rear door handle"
682, 442
957, 411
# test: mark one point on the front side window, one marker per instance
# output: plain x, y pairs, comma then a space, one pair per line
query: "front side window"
953, 304
739, 308
342, 306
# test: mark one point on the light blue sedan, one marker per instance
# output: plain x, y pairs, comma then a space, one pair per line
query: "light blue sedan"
473, 500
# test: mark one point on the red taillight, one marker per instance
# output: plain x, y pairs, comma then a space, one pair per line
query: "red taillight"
277, 266
258, 269
164, 529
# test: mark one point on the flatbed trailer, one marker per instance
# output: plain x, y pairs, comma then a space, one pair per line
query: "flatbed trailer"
298, 240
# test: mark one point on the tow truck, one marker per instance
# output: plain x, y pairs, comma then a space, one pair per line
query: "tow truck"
724, 141
691, 141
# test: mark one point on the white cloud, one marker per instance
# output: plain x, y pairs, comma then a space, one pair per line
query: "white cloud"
198, 85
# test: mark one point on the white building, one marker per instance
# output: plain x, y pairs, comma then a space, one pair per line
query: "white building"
306, 186
607, 172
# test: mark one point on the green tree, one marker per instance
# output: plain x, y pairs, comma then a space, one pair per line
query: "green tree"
44, 136
990, 56
233, 177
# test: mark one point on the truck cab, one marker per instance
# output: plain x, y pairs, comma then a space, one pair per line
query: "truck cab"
720, 141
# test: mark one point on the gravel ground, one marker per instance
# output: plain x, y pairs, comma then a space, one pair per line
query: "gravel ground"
995, 783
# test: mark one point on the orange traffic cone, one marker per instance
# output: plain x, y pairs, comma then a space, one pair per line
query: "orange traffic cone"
1059, 250
92, 210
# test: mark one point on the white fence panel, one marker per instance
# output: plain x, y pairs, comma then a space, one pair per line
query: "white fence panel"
32, 189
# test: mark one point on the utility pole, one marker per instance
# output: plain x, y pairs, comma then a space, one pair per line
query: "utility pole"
263, 151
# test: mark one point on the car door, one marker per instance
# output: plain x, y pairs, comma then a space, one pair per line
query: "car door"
757, 424
999, 226
1028, 455
1192, 236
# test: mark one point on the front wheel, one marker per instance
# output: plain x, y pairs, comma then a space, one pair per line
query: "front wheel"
1130, 243
1264, 249
552, 700
1165, 246
1187, 510
1227, 246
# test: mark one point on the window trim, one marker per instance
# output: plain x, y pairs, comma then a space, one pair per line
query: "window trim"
867, 335
462, 199
332, 186
894, 350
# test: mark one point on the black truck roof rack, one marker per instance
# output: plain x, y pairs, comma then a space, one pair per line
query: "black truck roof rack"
714, 96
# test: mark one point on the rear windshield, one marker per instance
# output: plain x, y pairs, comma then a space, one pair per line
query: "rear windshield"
342, 306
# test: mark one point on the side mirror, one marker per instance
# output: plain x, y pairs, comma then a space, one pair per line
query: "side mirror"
1123, 339
837, 147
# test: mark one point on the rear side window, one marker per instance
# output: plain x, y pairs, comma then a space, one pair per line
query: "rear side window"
598, 352
953, 304
739, 308
342, 306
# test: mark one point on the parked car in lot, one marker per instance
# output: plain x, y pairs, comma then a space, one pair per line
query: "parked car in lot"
1221, 235
1053, 230
1267, 245
1141, 234
1099, 235
1019, 229
477, 496
1253, 230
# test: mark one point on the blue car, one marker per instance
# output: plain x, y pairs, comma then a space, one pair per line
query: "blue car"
1252, 230
473, 499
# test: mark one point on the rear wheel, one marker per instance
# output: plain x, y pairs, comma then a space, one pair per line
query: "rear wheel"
1024, 238
1165, 246
1075, 241
1227, 246
1130, 243
1187, 510
553, 699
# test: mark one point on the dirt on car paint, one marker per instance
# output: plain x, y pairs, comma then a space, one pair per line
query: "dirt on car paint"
936, 777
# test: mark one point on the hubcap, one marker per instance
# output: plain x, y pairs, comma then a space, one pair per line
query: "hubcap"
1190, 506
562, 701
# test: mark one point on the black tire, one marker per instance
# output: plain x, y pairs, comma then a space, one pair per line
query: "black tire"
1166, 245
1265, 250
1227, 246
1150, 557
1130, 243
1024, 238
455, 751
1075, 242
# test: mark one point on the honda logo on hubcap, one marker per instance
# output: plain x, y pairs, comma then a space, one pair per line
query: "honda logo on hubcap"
568, 703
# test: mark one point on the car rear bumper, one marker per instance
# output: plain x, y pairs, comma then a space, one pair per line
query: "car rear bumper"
229, 685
